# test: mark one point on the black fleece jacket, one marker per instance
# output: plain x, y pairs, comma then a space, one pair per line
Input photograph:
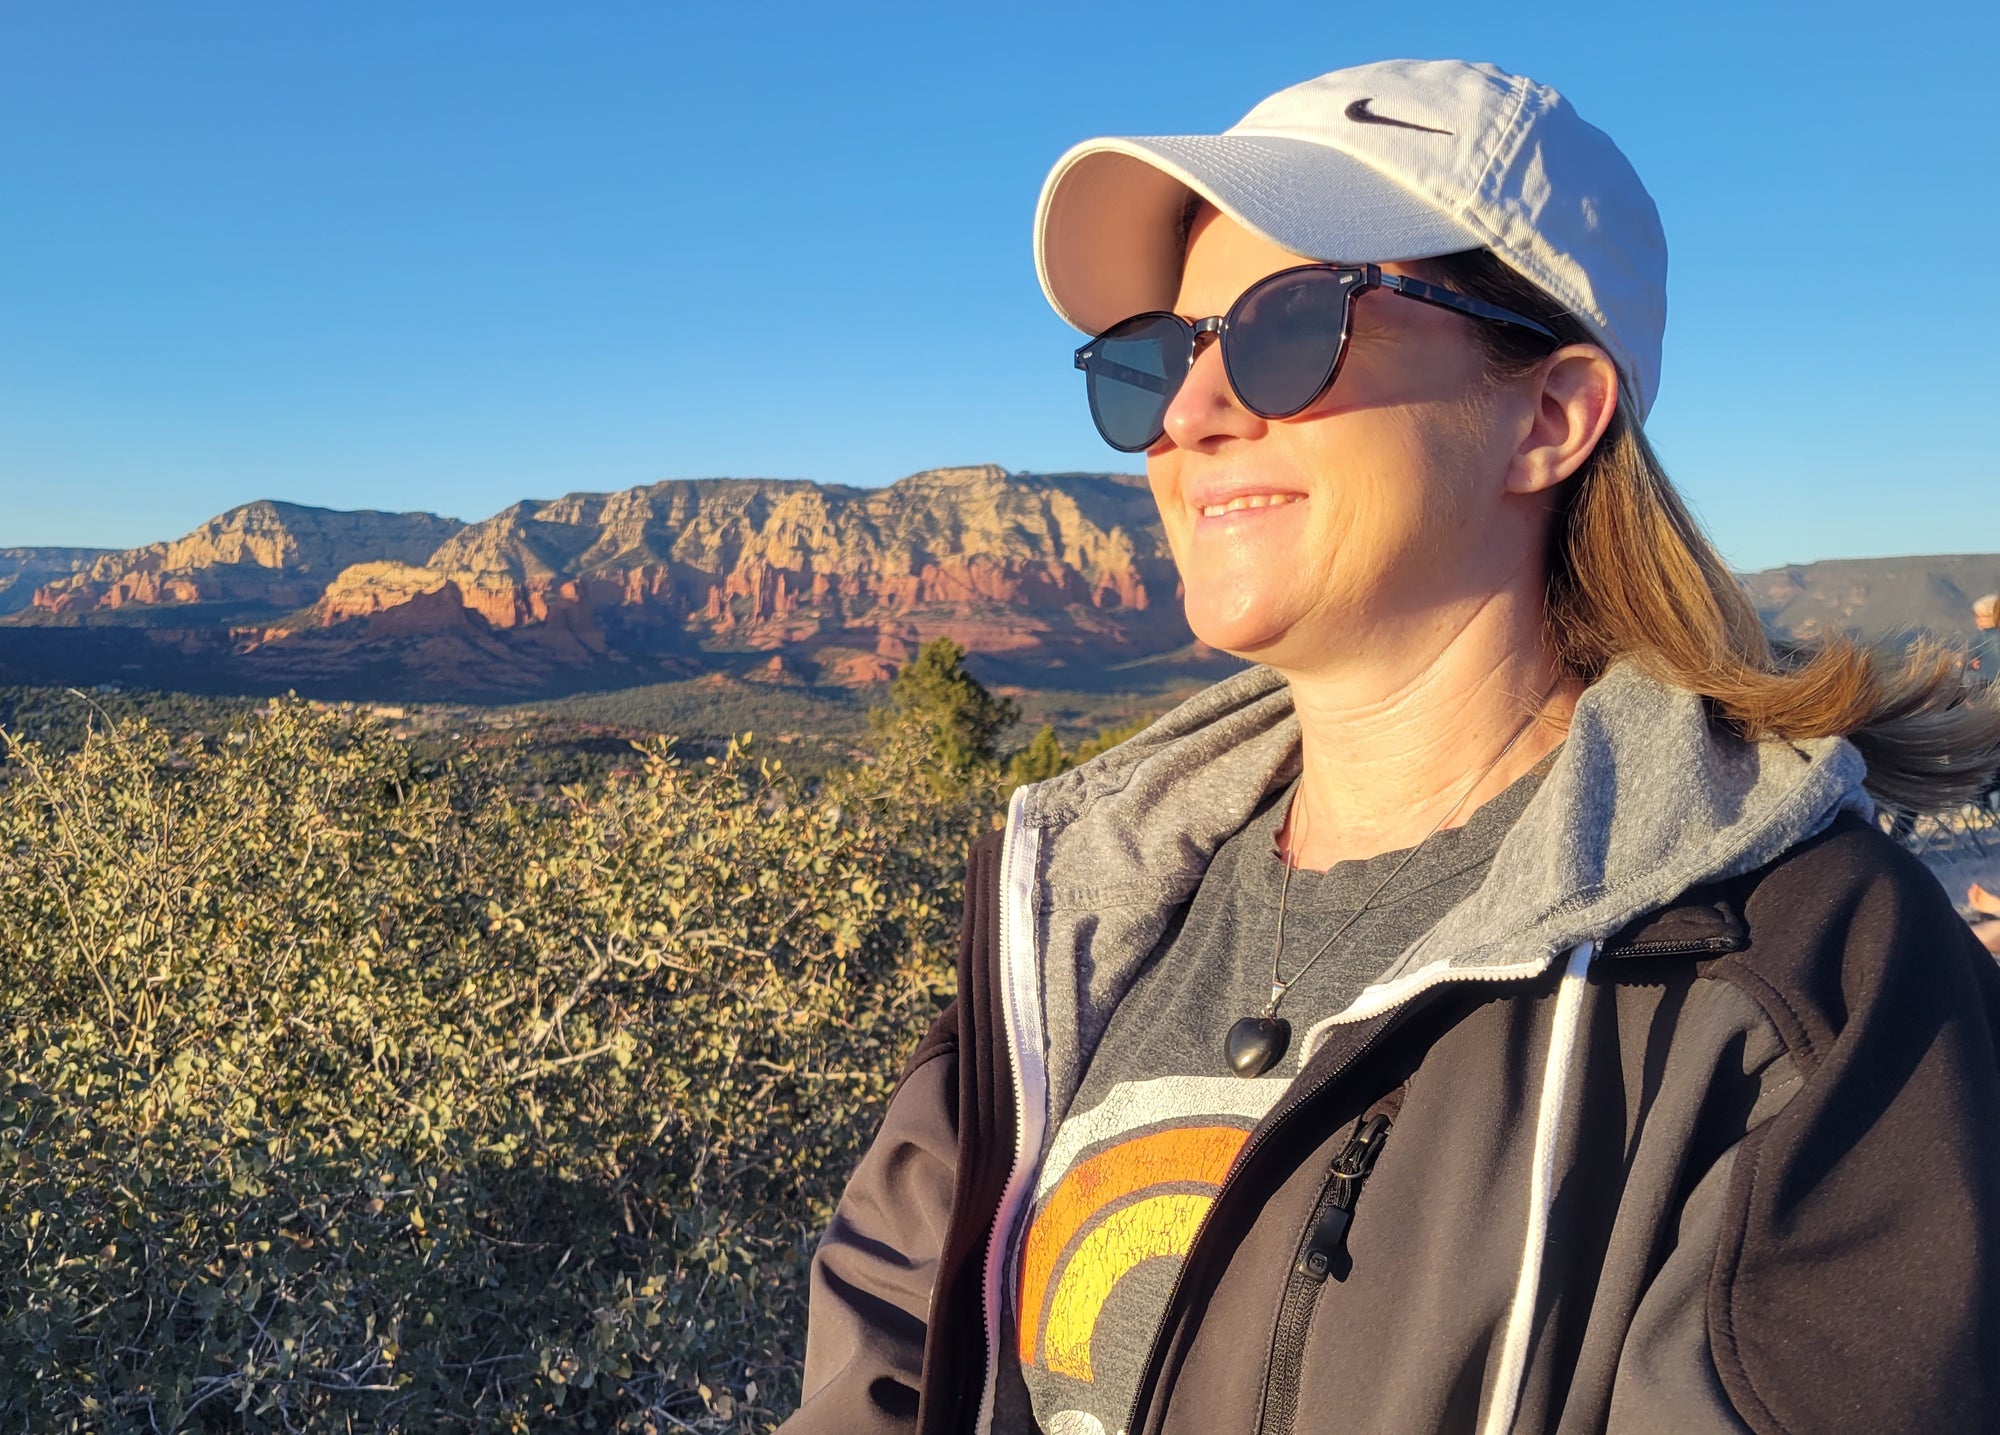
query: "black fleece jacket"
1777, 1205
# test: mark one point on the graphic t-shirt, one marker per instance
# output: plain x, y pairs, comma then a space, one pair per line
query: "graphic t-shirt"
1160, 1116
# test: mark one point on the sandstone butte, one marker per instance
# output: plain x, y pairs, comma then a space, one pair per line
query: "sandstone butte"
24, 570
787, 580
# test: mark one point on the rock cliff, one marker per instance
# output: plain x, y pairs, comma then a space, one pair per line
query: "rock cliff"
1877, 597
839, 584
24, 570
264, 554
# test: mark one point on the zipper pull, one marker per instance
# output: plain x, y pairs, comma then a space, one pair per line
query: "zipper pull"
1336, 1212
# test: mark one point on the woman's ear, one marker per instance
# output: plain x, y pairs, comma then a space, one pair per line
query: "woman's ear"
1575, 393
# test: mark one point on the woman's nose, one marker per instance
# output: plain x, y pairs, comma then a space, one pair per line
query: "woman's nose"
1206, 410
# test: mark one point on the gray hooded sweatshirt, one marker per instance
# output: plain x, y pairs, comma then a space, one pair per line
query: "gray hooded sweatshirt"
1685, 1120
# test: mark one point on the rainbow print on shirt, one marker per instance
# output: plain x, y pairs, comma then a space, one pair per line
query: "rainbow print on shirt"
1128, 1182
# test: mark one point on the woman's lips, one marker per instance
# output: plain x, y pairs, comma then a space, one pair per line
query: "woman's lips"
1241, 502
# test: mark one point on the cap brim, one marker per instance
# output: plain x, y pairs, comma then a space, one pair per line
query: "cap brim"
1105, 241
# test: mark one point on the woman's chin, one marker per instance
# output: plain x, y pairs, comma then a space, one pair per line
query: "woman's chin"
1250, 633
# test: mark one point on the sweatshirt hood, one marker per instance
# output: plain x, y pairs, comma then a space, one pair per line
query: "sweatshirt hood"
1647, 797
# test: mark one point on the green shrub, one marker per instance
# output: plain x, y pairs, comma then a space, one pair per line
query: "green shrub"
1040, 760
935, 701
343, 1090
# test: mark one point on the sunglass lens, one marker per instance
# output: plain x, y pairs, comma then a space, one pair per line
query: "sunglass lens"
1133, 371
1285, 339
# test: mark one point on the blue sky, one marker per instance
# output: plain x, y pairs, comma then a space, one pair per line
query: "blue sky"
451, 255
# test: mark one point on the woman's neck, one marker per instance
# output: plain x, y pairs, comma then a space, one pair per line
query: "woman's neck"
1390, 749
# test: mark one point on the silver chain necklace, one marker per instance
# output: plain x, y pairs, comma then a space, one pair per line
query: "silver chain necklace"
1255, 1044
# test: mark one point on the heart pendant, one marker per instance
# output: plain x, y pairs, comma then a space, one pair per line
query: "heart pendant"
1256, 1044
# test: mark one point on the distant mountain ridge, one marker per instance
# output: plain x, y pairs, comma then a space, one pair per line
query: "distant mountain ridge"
1876, 597
263, 553
24, 570
1050, 579
789, 578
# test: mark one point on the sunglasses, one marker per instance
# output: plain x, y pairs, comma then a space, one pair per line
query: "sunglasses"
1281, 347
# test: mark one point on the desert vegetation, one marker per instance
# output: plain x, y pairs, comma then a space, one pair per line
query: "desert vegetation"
351, 1084
372, 1070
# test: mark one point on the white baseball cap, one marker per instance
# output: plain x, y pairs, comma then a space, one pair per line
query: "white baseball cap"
1404, 159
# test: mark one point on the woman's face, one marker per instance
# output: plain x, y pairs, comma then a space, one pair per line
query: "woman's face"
1371, 521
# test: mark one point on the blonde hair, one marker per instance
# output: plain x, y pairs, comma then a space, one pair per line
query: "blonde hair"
1632, 576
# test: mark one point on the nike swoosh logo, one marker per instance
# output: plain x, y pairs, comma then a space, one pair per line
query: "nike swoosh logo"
1362, 115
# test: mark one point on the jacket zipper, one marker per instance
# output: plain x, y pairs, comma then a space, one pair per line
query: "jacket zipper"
1285, 1111
1324, 1240
1021, 1028
1685, 947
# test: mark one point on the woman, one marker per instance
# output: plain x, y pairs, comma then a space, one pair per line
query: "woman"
1496, 1010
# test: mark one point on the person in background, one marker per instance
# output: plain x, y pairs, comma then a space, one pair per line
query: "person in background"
1983, 656
1497, 1009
